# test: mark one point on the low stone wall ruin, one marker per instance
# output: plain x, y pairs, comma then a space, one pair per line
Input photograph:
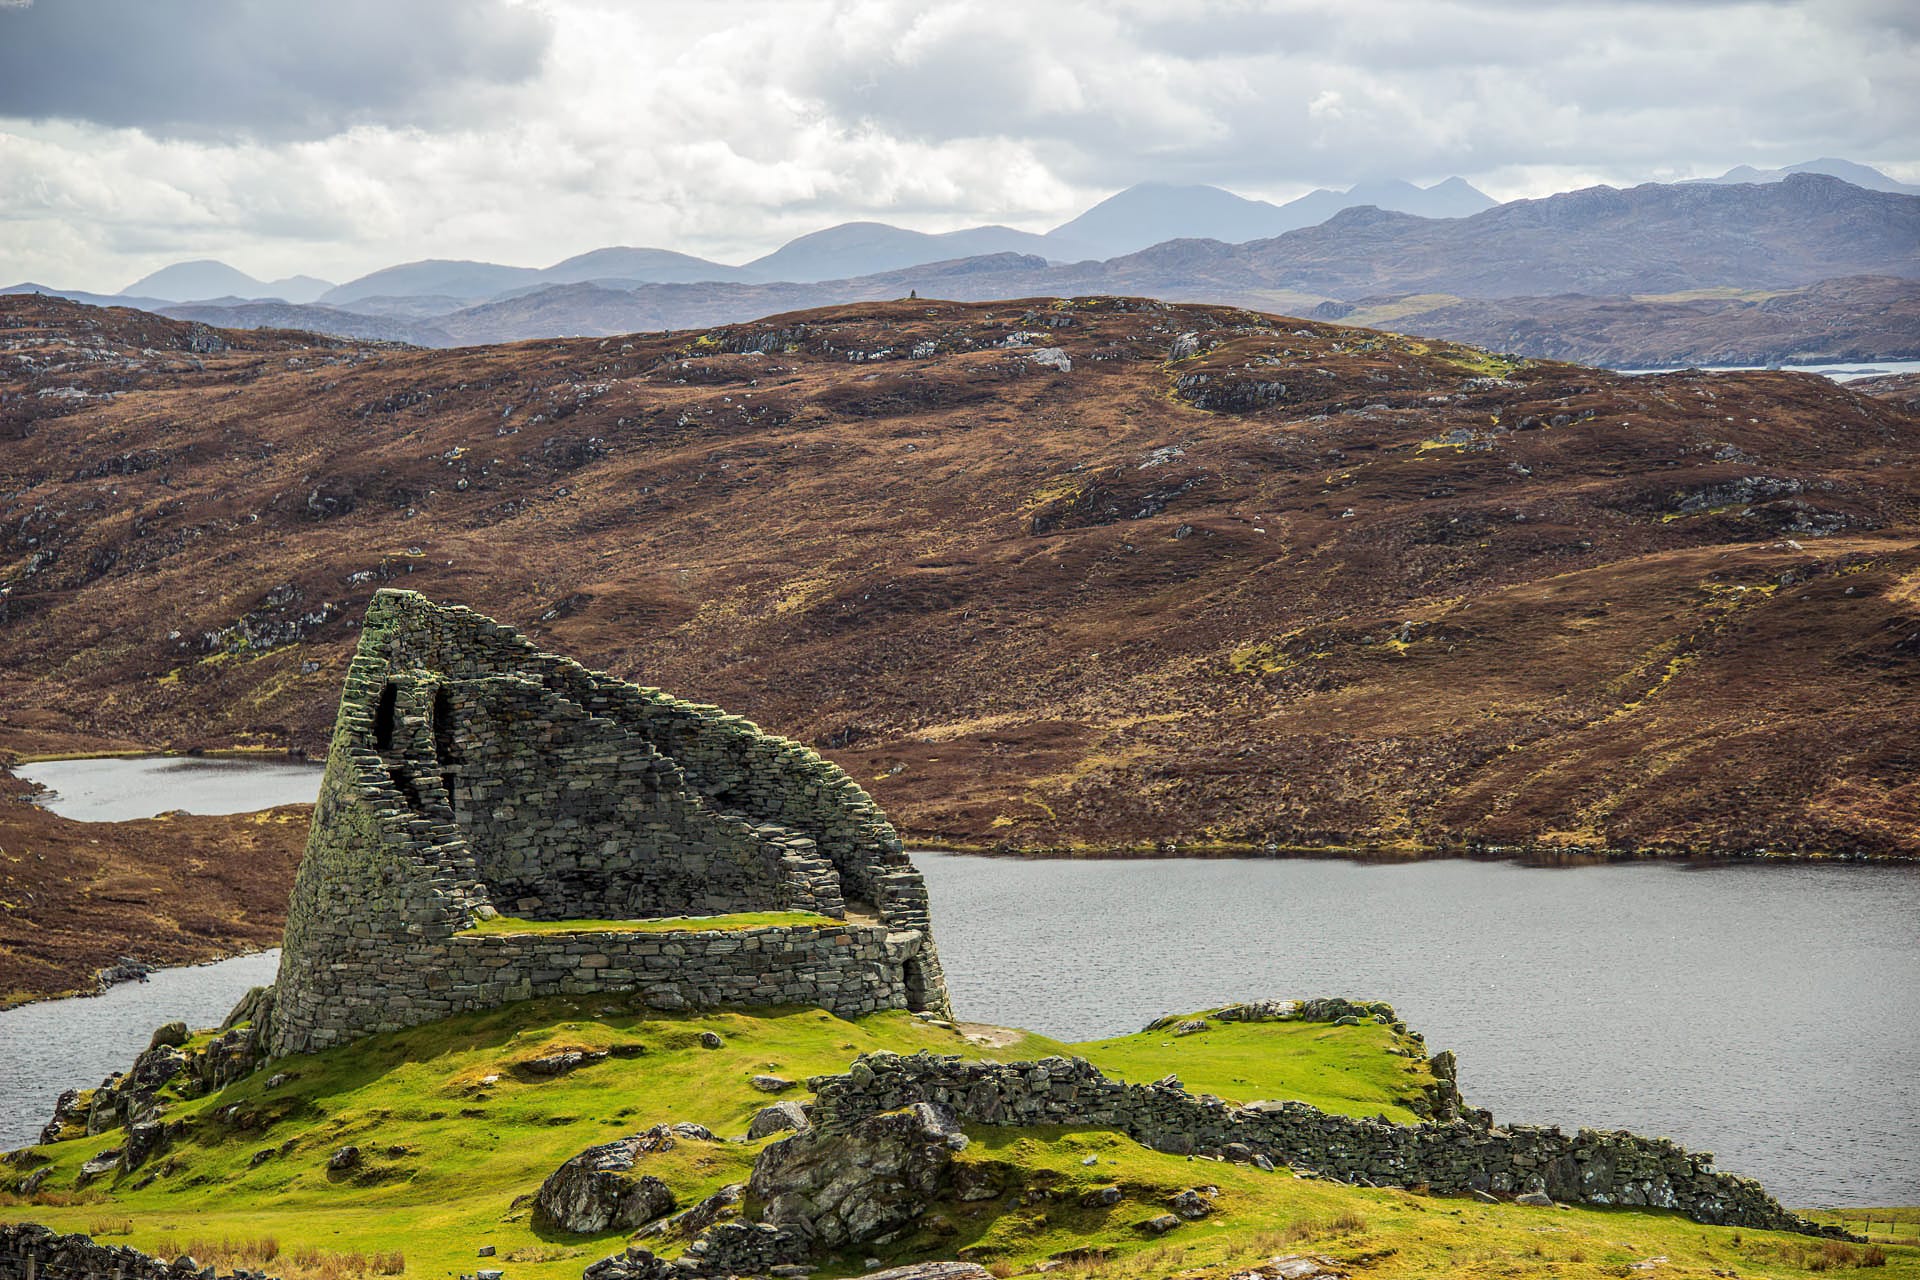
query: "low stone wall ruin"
1458, 1156
29, 1251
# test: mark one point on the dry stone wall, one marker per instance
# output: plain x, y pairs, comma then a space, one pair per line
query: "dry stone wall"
32, 1252
471, 775
1450, 1157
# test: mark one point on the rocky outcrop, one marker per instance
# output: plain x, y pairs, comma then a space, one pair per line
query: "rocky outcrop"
172, 1065
599, 1189
862, 1184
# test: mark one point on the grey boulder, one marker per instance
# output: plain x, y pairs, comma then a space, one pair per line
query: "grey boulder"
778, 1118
598, 1189
862, 1185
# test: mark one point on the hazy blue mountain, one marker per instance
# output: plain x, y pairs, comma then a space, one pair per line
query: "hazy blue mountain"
91, 299
209, 278
869, 248
474, 281
1153, 212
1860, 175
644, 266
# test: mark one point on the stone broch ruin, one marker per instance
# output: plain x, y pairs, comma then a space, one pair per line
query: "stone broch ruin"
475, 782
497, 823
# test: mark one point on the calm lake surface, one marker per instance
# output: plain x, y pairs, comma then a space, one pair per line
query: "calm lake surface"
77, 1043
117, 790
1844, 371
1769, 1014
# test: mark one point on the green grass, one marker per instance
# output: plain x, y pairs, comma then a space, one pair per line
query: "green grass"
1353, 1071
1885, 1226
666, 924
457, 1132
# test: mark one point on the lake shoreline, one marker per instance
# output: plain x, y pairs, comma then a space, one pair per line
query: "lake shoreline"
102, 985
1525, 855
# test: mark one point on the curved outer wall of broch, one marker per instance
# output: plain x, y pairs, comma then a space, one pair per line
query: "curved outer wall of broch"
471, 775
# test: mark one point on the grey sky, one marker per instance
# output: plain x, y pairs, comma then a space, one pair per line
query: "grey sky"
342, 137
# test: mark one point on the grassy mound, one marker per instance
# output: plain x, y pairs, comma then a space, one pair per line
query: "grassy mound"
459, 1122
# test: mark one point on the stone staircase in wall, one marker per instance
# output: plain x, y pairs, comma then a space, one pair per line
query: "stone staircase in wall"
811, 881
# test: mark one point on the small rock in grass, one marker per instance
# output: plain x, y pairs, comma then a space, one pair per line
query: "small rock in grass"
1294, 1266
1091, 1160
770, 1084
1483, 1197
1539, 1199
1191, 1204
486, 1251
1100, 1198
1160, 1224
563, 1061
710, 1040
344, 1159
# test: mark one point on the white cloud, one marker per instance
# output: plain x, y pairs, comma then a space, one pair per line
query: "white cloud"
538, 130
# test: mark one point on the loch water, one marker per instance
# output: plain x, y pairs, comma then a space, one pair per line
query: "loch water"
77, 1043
118, 789
1769, 1013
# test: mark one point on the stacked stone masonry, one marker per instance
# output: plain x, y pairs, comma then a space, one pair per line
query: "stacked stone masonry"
472, 776
1448, 1157
31, 1252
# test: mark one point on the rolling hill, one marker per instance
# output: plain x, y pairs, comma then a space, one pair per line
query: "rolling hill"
1100, 573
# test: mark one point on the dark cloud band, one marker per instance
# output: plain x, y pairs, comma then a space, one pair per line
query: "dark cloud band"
237, 68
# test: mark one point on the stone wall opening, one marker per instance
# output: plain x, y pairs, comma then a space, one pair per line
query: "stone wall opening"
384, 715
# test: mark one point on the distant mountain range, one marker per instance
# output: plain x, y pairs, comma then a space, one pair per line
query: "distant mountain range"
1784, 229
208, 278
1859, 175
1854, 318
1134, 219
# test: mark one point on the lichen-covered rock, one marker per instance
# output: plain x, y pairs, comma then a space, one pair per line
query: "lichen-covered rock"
1191, 1203
169, 1036
598, 1189
860, 1185
1295, 1266
781, 1117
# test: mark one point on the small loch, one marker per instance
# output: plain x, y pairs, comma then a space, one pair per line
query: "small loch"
118, 789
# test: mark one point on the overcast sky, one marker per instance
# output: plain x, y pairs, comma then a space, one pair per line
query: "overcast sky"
336, 138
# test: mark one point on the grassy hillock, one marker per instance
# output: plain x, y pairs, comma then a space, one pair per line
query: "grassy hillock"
460, 1121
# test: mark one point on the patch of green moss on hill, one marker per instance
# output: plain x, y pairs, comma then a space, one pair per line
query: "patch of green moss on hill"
458, 1126
1361, 1070
739, 921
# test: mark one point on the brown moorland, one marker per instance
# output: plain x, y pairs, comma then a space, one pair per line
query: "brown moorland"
1205, 578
